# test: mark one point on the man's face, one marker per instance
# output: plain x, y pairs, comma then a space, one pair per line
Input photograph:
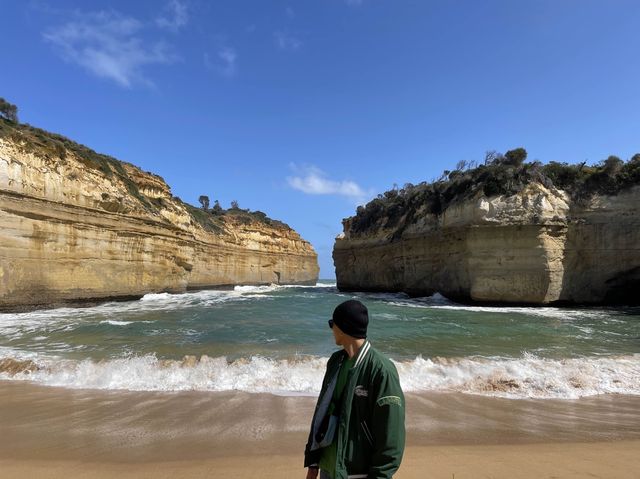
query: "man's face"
338, 335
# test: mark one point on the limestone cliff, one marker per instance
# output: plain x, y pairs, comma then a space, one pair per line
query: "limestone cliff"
537, 246
76, 225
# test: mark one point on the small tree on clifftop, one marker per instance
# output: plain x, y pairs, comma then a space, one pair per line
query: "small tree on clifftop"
515, 157
204, 201
217, 209
8, 110
612, 165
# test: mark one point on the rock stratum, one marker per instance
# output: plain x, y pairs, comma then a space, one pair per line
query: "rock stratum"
77, 226
537, 246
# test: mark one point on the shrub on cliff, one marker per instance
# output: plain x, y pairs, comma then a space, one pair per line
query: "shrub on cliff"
629, 174
204, 202
56, 147
217, 209
214, 219
515, 157
8, 110
500, 174
248, 217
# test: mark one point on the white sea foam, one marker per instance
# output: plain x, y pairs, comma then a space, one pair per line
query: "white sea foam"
147, 373
526, 377
37, 320
307, 286
113, 322
438, 301
544, 312
255, 289
157, 297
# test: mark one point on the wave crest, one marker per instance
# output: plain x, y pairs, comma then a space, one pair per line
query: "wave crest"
525, 377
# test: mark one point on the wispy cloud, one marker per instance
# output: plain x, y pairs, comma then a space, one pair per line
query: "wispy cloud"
285, 41
313, 181
224, 63
109, 45
290, 13
354, 3
174, 17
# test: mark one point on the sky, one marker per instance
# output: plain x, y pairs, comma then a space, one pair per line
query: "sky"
305, 109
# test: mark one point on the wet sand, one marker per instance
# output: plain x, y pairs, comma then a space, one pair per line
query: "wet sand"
53, 432
617, 460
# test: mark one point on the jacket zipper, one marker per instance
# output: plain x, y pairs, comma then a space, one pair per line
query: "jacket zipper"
367, 433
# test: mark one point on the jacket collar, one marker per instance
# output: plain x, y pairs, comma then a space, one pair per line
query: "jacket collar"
362, 353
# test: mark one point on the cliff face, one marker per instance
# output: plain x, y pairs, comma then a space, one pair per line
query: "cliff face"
77, 226
536, 247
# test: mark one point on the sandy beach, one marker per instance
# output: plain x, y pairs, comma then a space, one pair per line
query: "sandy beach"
594, 460
61, 433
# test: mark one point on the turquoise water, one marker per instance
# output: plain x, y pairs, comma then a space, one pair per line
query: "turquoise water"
275, 338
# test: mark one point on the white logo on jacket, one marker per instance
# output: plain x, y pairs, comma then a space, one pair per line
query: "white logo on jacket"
361, 391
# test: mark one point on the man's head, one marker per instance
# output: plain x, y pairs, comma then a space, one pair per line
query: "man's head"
350, 318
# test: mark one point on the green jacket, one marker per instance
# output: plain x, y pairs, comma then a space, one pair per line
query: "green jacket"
370, 433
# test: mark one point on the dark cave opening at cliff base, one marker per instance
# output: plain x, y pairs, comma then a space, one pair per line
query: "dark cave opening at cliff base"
624, 288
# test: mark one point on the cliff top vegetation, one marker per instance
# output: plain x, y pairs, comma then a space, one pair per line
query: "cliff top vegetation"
499, 174
56, 147
8, 110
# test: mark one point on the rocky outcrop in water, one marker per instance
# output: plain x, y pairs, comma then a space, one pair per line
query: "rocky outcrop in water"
537, 246
76, 225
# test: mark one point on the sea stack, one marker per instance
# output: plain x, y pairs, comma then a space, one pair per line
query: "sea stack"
504, 232
76, 225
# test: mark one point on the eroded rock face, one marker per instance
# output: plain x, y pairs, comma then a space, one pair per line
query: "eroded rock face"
71, 232
535, 247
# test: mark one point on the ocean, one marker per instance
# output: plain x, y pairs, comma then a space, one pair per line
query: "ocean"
275, 339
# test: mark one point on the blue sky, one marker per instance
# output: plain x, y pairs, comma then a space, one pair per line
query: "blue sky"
304, 109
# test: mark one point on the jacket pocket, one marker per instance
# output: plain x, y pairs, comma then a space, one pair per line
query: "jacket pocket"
327, 431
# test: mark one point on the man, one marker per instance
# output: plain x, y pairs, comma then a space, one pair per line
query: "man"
357, 429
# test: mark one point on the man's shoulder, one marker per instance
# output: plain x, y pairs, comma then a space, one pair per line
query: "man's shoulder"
336, 356
381, 362
383, 371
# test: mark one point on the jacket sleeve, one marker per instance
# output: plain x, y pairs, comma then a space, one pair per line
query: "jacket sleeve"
387, 425
311, 458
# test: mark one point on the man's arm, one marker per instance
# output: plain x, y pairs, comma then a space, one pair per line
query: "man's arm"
312, 458
387, 426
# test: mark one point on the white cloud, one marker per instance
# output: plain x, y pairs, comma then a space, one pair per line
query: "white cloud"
226, 61
354, 3
284, 41
108, 45
228, 57
313, 181
175, 16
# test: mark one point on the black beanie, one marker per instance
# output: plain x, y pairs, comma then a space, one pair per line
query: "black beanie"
352, 318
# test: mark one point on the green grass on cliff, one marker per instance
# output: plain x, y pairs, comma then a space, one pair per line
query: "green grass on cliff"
55, 148
51, 145
498, 175
214, 221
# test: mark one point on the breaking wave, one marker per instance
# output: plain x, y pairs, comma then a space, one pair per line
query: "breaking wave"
525, 377
11, 323
114, 322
